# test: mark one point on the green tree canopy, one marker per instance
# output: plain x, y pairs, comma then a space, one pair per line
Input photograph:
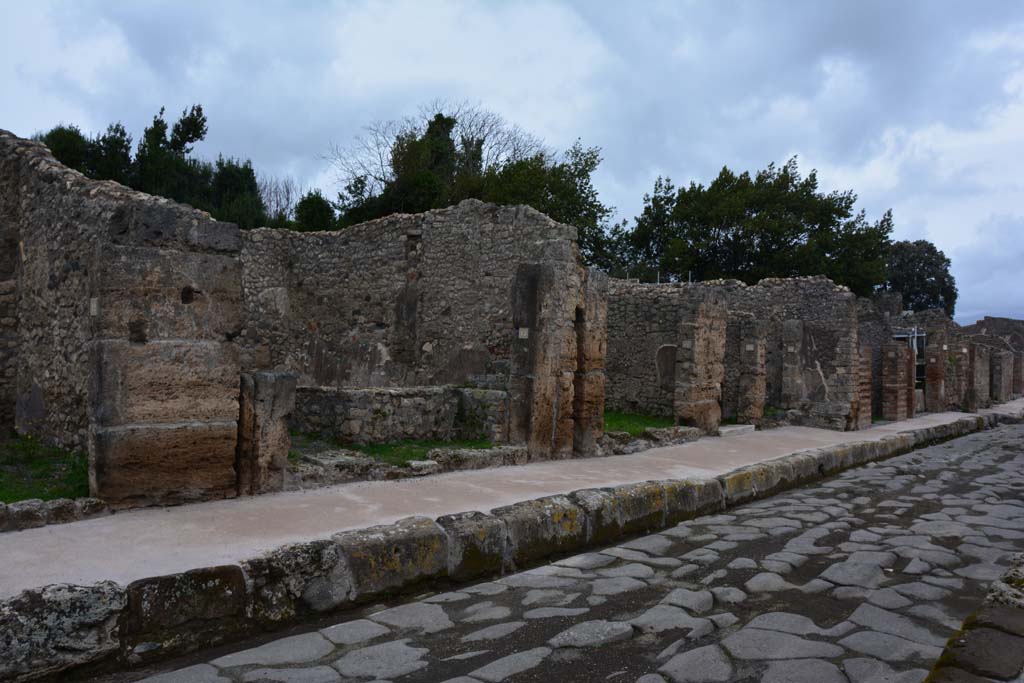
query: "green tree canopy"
459, 153
314, 212
163, 165
920, 271
775, 223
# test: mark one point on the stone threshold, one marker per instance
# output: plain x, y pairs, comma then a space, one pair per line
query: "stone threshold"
62, 629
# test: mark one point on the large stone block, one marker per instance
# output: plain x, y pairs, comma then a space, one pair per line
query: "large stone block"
300, 578
622, 511
52, 629
182, 612
165, 382
686, 499
267, 401
159, 294
165, 224
543, 528
476, 544
163, 463
395, 556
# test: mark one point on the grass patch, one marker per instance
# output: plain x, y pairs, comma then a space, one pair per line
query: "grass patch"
635, 425
30, 469
401, 452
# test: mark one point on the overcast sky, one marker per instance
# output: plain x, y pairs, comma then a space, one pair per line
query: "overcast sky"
917, 106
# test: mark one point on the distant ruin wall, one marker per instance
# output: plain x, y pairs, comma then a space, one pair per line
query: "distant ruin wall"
127, 305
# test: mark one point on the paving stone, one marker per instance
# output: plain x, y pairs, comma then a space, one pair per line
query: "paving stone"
742, 563
884, 621
650, 678
889, 647
444, 598
655, 544
494, 632
465, 655
855, 574
701, 556
776, 567
724, 620
980, 572
721, 546
506, 667
633, 570
616, 586
921, 591
752, 643
485, 611
200, 673
935, 614
792, 559
692, 601
418, 616
553, 612
535, 580
708, 663
803, 671
815, 586
866, 670
592, 634
644, 558
951, 674
667, 617
1007, 619
587, 561
879, 559
316, 674
488, 588
888, 598
684, 571
354, 632
917, 566
767, 582
386, 660
728, 595
301, 649
797, 624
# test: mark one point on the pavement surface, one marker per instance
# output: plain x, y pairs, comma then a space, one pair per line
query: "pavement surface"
861, 578
157, 541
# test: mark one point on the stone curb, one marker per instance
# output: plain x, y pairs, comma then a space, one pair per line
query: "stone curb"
990, 644
34, 513
64, 627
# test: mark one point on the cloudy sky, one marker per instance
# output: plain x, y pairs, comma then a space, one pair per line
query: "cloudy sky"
917, 106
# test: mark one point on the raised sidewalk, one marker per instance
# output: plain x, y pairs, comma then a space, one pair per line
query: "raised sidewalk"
146, 585
155, 541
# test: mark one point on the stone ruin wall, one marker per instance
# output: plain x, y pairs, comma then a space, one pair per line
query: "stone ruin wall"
127, 321
793, 346
473, 295
126, 309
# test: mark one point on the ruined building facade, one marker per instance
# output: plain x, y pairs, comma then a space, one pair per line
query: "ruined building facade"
131, 320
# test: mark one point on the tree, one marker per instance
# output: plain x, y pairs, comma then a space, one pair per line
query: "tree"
314, 212
920, 271
773, 224
68, 145
279, 197
455, 153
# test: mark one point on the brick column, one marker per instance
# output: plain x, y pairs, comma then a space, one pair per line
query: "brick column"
935, 379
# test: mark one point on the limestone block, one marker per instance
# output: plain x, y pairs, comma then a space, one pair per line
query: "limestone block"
267, 401
26, 514
158, 294
51, 629
622, 510
686, 499
297, 579
163, 463
542, 528
182, 612
738, 486
476, 544
61, 511
165, 382
394, 556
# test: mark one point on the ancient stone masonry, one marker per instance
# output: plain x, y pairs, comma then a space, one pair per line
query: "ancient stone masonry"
474, 295
126, 308
978, 393
126, 322
1001, 375
805, 329
666, 351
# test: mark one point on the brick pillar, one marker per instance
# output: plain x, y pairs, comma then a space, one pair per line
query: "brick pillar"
895, 387
700, 367
862, 406
935, 379
266, 402
588, 391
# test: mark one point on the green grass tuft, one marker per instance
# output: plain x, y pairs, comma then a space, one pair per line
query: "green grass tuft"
30, 469
401, 452
633, 424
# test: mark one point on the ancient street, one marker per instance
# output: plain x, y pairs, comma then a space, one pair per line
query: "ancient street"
860, 578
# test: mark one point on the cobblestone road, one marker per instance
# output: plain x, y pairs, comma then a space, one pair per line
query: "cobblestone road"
861, 578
